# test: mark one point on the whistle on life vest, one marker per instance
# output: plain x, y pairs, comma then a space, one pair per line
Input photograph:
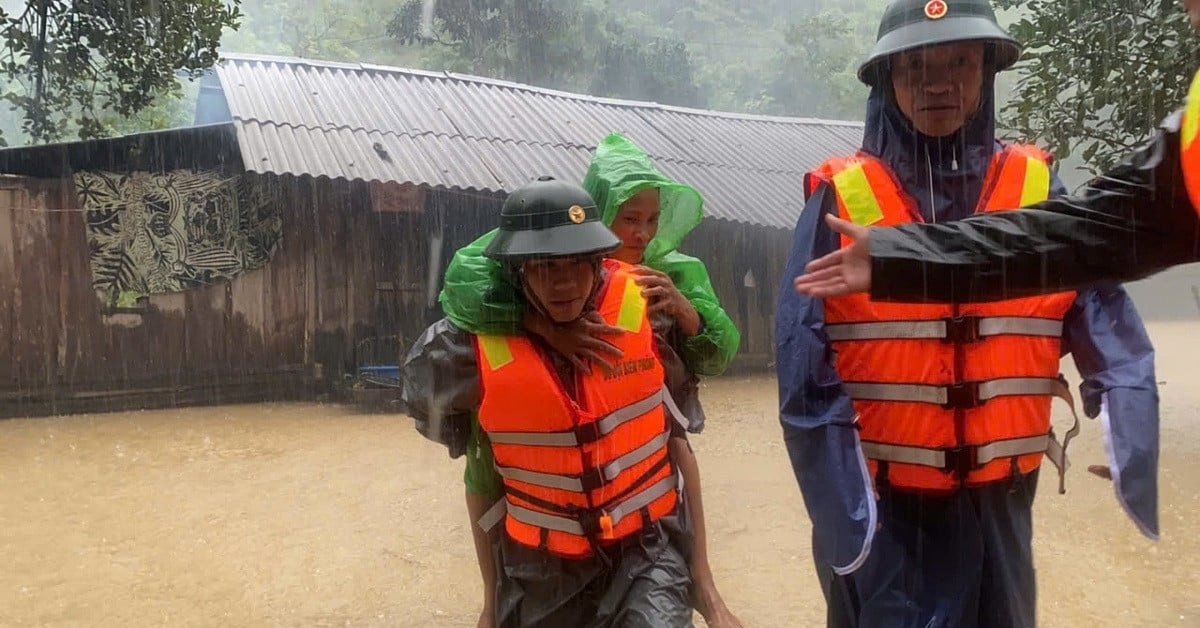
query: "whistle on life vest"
606, 525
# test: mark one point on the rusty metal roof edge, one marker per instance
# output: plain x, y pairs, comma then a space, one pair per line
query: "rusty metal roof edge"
616, 102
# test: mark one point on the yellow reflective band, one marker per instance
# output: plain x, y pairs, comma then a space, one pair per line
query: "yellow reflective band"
633, 307
858, 197
1191, 115
1037, 182
495, 351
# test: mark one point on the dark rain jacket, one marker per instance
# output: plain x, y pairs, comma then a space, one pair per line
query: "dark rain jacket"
1128, 223
1103, 331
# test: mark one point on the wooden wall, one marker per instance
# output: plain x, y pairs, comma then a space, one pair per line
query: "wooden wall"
342, 273
730, 250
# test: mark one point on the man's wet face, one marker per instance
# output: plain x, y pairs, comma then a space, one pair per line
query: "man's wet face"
562, 285
938, 88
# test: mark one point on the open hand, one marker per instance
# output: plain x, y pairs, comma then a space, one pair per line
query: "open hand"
845, 271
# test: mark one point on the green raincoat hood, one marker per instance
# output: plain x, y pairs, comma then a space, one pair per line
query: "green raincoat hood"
477, 297
620, 170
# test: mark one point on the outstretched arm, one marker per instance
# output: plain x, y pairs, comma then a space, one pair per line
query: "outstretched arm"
1126, 224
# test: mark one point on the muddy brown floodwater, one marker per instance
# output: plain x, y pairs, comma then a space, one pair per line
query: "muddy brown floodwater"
313, 515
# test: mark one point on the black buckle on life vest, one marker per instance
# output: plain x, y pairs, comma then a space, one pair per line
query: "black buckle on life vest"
961, 460
587, 433
961, 329
589, 520
963, 396
591, 479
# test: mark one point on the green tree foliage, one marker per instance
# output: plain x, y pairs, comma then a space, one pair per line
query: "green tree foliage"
333, 30
70, 64
779, 57
562, 44
658, 69
1098, 75
814, 74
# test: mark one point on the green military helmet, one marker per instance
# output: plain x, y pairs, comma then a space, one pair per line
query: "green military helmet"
909, 24
550, 218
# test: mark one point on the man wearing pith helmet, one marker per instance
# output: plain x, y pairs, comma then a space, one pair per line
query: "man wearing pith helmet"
917, 432
576, 510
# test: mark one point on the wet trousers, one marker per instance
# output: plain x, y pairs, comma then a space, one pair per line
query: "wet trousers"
960, 561
643, 582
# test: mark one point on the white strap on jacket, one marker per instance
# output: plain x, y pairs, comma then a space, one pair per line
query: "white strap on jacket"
630, 505
982, 327
932, 457
605, 424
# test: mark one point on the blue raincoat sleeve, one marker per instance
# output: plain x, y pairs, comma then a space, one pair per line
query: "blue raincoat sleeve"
1112, 350
1106, 338
817, 416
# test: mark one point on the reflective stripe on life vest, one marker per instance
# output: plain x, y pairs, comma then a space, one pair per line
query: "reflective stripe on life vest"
617, 513
607, 473
970, 395
601, 427
979, 327
981, 455
1026, 164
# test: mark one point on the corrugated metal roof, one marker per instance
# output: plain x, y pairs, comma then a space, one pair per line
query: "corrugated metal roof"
368, 122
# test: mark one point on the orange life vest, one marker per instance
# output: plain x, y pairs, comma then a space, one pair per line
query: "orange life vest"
947, 395
1189, 149
586, 471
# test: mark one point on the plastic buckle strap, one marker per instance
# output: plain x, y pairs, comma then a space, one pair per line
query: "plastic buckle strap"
673, 409
493, 515
961, 329
587, 433
963, 396
960, 460
592, 479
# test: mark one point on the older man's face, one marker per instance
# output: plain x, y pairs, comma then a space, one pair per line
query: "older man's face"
938, 87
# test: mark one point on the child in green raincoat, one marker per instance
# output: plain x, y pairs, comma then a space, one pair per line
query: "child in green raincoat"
651, 214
